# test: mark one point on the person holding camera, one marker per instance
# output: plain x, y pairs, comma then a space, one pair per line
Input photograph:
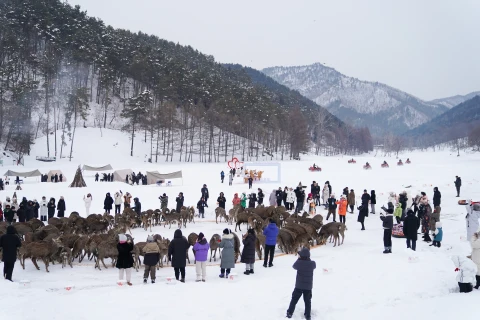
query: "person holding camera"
387, 223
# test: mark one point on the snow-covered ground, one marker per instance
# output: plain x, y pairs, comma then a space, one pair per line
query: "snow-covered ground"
361, 282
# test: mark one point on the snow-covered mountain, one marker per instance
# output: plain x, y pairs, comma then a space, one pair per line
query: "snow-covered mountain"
451, 102
362, 103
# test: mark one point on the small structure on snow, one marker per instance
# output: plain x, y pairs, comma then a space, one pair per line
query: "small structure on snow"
78, 181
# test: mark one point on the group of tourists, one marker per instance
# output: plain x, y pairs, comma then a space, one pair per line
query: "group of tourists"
12, 210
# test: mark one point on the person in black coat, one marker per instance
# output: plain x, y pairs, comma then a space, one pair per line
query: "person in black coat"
410, 227
124, 259
22, 210
221, 200
458, 184
61, 207
260, 196
29, 210
36, 207
279, 195
180, 199
250, 182
61, 177
252, 199
201, 207
365, 198
177, 254
437, 199
329, 187
108, 203
387, 224
373, 201
9, 243
248, 252
303, 283
96, 177
51, 208
362, 213
137, 206
8, 214
205, 194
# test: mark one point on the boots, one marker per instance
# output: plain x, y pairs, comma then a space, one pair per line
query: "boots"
182, 280
386, 250
478, 282
222, 275
247, 272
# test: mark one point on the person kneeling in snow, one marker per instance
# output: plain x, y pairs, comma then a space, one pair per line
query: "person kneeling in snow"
437, 235
467, 270
303, 283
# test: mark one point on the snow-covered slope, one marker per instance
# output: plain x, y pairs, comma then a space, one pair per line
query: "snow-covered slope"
363, 103
451, 102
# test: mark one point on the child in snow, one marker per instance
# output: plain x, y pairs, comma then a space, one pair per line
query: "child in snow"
303, 283
387, 223
151, 259
467, 270
201, 252
311, 204
398, 212
438, 235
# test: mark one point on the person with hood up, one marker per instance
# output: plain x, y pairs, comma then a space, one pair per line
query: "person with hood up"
325, 195
248, 252
410, 227
398, 213
221, 200
180, 200
127, 199
222, 176
151, 259
205, 194
332, 207
272, 199
365, 198
201, 248
9, 214
137, 206
118, 201
475, 243
61, 207
9, 243
458, 184
43, 209
228, 253
466, 276
88, 203
362, 213
260, 196
163, 202
29, 210
290, 199
473, 214
437, 235
279, 196
300, 194
108, 203
51, 208
373, 201
345, 192
236, 200
36, 207
243, 200
303, 283
342, 208
124, 260
177, 254
351, 200
437, 199
387, 224
252, 199
22, 210
201, 208
270, 232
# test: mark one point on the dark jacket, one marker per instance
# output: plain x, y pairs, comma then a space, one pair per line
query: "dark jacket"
22, 210
279, 195
402, 199
9, 243
345, 192
270, 233
332, 203
138, 207
51, 207
437, 196
61, 205
205, 193
221, 202
108, 202
387, 221
458, 182
316, 190
300, 194
410, 226
260, 197
248, 252
179, 201
8, 214
304, 267
152, 257
201, 206
29, 211
373, 197
251, 200
362, 213
177, 250
36, 207
365, 198
125, 259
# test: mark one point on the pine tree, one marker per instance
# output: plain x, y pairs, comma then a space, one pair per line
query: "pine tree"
78, 181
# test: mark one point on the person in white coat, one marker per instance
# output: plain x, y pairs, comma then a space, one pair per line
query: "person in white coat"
475, 243
392, 198
43, 209
325, 195
118, 201
290, 199
88, 203
473, 214
466, 270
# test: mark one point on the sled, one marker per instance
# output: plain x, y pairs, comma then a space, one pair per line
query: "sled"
352, 161
367, 167
408, 162
317, 169
399, 163
385, 165
465, 202
397, 231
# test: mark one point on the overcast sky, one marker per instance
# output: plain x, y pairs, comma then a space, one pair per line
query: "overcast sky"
429, 48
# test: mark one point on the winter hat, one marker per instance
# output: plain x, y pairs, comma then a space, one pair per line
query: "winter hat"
271, 220
390, 210
200, 236
226, 231
410, 212
304, 253
122, 238
150, 238
164, 195
342, 196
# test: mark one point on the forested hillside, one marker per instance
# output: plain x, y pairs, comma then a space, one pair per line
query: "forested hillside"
60, 69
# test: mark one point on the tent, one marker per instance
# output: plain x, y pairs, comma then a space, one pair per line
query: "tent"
120, 175
154, 176
34, 173
103, 168
58, 172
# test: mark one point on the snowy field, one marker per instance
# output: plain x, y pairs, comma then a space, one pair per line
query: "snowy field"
361, 282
